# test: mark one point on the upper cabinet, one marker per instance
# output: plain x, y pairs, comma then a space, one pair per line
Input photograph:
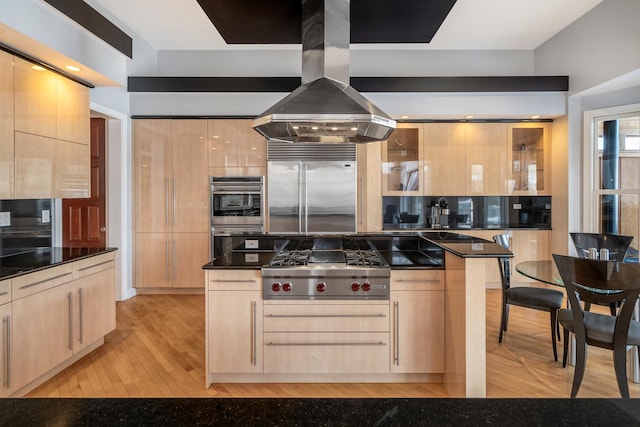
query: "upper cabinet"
73, 117
486, 159
369, 192
6, 127
36, 99
402, 161
444, 154
528, 159
235, 148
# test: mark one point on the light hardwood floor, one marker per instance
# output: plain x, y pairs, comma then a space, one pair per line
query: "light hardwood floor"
157, 350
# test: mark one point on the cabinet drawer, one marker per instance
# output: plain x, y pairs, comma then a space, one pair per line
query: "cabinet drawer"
321, 353
5, 291
417, 280
39, 281
234, 280
326, 318
93, 265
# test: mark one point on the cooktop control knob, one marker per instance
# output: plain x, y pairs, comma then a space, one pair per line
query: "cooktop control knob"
321, 286
286, 286
366, 286
275, 286
355, 286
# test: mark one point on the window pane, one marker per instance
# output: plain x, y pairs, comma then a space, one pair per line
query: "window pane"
619, 153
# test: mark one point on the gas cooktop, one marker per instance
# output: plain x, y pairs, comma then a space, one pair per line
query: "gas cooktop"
328, 251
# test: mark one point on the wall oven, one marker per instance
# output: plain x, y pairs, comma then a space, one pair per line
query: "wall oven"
237, 207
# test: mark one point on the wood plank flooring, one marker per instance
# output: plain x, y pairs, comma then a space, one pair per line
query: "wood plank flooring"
157, 350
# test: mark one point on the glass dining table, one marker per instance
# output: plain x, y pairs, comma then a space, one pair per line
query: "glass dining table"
545, 271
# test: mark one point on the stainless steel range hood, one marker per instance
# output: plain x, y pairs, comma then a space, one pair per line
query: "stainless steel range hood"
325, 108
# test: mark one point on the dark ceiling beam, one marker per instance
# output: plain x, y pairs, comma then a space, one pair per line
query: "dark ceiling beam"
362, 84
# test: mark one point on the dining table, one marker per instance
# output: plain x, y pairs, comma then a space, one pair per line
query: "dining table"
545, 271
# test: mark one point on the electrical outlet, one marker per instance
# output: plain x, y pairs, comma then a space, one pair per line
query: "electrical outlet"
5, 219
46, 216
517, 206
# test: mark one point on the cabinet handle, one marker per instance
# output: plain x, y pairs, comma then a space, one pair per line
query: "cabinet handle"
7, 355
70, 297
360, 197
166, 201
30, 285
233, 281
174, 260
81, 302
166, 260
324, 315
95, 265
3, 294
291, 344
253, 333
417, 280
174, 201
396, 340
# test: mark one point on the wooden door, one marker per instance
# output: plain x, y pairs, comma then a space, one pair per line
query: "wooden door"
6, 127
84, 220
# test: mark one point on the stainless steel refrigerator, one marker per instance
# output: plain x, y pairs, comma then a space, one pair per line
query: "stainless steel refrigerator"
307, 197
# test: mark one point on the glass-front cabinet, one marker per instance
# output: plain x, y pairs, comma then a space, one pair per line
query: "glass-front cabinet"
402, 161
529, 163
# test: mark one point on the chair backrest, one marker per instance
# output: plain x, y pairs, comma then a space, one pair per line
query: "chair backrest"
504, 263
603, 282
616, 244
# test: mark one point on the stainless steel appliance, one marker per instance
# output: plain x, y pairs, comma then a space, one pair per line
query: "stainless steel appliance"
237, 207
327, 268
312, 188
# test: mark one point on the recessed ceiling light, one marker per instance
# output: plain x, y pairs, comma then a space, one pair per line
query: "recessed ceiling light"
469, 116
354, 129
314, 127
295, 127
38, 67
73, 68
404, 117
535, 117
334, 128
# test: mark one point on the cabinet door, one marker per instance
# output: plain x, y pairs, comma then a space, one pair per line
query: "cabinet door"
369, 188
222, 137
235, 331
6, 127
154, 260
34, 160
252, 147
528, 245
73, 122
528, 159
444, 158
402, 161
486, 159
72, 170
189, 192
94, 307
35, 99
41, 333
190, 253
152, 180
6, 382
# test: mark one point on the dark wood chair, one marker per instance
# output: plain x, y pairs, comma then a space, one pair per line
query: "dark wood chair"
604, 282
526, 296
617, 245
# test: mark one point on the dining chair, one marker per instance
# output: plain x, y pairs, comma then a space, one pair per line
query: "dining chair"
617, 245
526, 296
605, 282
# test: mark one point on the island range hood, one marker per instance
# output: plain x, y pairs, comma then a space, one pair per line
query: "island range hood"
325, 109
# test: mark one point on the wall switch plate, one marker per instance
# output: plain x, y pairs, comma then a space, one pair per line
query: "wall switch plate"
517, 206
46, 216
251, 244
5, 219
547, 207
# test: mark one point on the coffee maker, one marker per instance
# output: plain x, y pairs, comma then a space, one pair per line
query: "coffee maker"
439, 213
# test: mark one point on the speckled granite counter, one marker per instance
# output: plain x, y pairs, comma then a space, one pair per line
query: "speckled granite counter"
26, 261
319, 412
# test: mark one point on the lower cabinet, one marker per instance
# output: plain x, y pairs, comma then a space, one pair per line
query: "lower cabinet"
234, 322
53, 318
417, 321
5, 338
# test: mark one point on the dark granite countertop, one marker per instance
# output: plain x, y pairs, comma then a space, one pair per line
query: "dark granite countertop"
319, 412
476, 249
24, 261
242, 260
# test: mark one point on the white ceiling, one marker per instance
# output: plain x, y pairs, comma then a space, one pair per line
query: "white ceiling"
471, 24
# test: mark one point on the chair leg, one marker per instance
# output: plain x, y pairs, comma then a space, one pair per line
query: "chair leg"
614, 308
565, 347
620, 366
554, 324
578, 374
503, 318
587, 306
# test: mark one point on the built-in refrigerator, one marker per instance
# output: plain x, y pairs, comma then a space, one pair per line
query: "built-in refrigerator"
312, 196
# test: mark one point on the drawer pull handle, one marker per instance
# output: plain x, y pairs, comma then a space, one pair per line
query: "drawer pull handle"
30, 285
324, 315
3, 294
290, 344
233, 281
417, 281
95, 265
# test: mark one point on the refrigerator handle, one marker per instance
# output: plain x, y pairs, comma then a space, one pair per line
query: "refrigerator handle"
304, 194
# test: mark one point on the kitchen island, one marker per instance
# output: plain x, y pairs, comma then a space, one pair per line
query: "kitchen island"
424, 322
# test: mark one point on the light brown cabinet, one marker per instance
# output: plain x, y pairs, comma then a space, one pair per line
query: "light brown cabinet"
235, 149
417, 321
5, 338
171, 204
528, 245
234, 322
486, 159
369, 190
6, 127
528, 159
444, 154
402, 161
36, 99
73, 115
